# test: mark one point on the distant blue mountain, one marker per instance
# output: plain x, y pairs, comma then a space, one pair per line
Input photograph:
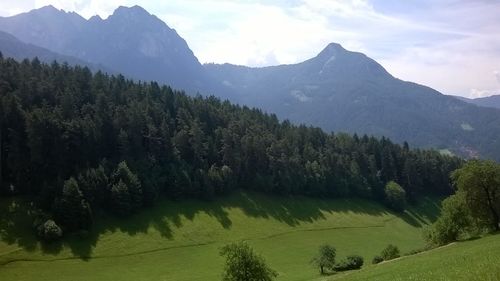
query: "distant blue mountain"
12, 47
491, 101
131, 40
337, 90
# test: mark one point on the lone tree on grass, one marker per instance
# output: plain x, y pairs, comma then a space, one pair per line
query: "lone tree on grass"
325, 258
479, 181
243, 264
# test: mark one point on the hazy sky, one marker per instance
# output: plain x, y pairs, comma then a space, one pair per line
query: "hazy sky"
450, 45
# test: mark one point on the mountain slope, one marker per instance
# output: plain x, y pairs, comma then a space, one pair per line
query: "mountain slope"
131, 41
337, 90
346, 91
165, 238
12, 47
491, 101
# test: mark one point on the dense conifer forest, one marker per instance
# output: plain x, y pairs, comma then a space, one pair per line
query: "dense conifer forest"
75, 142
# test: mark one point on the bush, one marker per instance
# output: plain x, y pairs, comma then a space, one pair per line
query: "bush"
416, 251
390, 252
350, 263
377, 259
49, 231
395, 196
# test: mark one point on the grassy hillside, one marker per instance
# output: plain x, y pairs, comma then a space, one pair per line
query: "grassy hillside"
468, 261
180, 240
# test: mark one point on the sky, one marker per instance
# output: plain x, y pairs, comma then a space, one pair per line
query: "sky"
452, 46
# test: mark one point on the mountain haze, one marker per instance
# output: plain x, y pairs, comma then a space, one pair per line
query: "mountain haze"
130, 40
341, 90
337, 90
12, 47
491, 101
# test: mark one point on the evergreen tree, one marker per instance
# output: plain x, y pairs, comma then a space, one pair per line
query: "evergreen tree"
129, 185
72, 211
120, 199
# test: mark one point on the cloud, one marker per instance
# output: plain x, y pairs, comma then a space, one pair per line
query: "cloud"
450, 45
497, 75
475, 93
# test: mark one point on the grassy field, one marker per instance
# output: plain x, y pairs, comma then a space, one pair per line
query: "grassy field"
477, 260
180, 240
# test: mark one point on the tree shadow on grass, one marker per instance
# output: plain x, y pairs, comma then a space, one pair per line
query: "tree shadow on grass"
426, 211
167, 215
16, 223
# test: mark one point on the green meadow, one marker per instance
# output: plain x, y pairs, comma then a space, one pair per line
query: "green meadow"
181, 240
477, 260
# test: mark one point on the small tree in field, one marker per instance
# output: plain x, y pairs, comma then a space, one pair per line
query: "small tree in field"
243, 264
395, 196
325, 258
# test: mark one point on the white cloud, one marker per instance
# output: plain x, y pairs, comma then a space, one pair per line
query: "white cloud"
475, 93
452, 47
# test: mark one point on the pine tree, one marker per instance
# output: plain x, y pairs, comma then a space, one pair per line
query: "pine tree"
131, 182
72, 211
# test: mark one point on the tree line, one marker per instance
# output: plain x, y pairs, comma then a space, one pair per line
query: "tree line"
76, 141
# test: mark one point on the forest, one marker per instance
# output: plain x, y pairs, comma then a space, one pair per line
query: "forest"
74, 141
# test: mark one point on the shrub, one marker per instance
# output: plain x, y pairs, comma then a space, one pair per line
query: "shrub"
350, 263
49, 231
390, 252
377, 259
416, 251
395, 196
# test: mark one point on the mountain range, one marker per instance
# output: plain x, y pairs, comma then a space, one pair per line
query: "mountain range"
491, 101
337, 90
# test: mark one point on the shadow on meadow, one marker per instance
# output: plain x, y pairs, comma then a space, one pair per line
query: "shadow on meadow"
165, 216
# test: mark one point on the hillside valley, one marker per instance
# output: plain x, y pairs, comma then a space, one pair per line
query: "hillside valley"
186, 237
125, 157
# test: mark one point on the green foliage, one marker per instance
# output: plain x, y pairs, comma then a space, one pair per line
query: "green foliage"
71, 209
94, 185
479, 182
120, 199
395, 196
243, 264
390, 252
49, 231
68, 122
349, 263
126, 190
325, 259
377, 259
454, 222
